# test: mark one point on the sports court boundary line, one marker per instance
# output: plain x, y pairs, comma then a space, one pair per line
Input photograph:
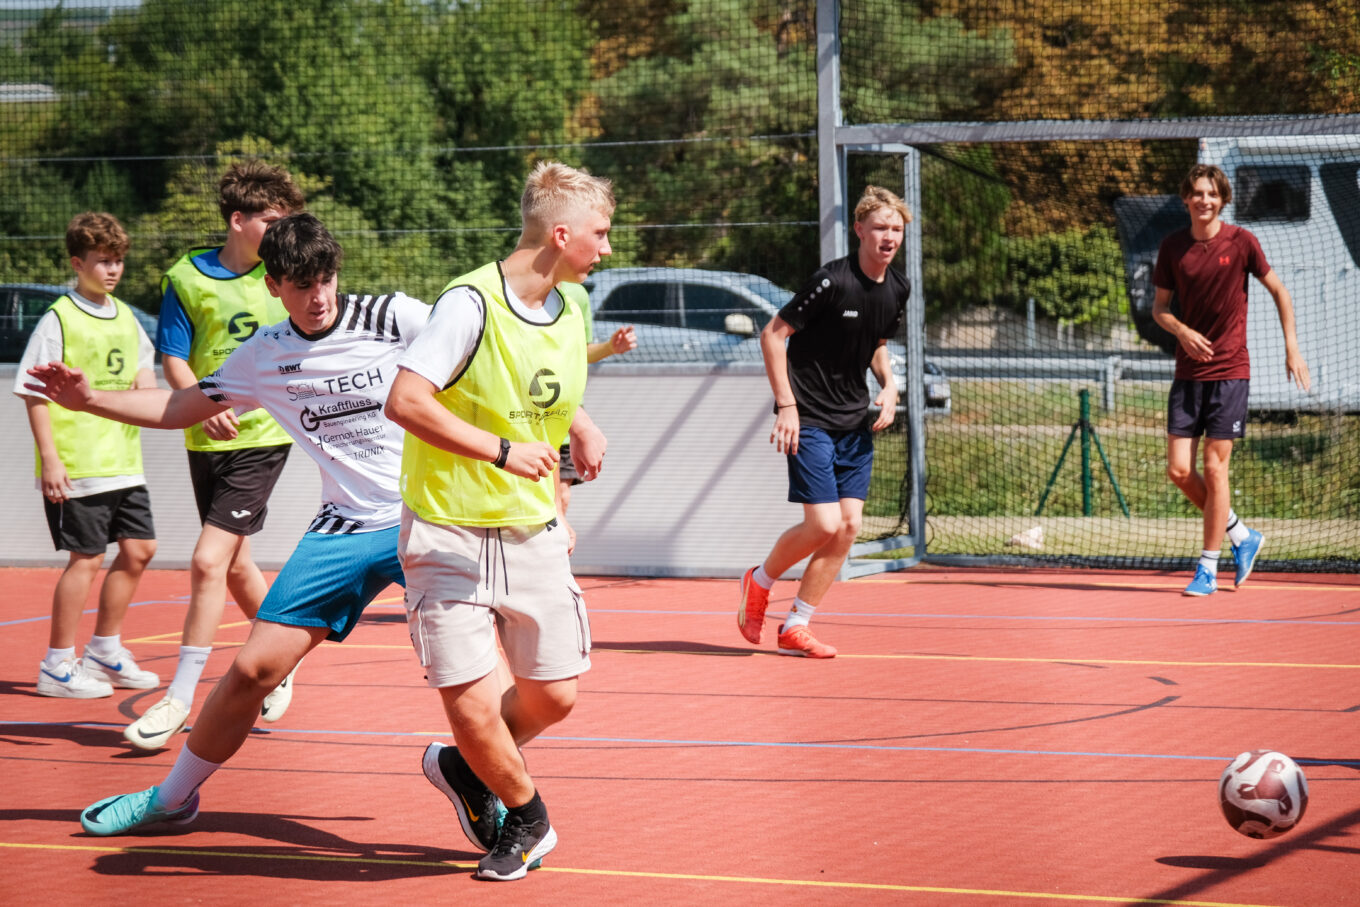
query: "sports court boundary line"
632, 874
750, 744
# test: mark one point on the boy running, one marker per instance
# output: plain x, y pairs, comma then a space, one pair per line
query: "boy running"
487, 395
214, 300
836, 326
1207, 266
324, 372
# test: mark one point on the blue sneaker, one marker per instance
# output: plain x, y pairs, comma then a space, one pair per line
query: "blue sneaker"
126, 812
1245, 555
1204, 582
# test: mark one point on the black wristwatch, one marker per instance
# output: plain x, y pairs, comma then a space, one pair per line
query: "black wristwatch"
504, 455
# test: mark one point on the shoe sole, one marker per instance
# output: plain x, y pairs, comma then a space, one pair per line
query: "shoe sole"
799, 653
747, 581
531, 861
1237, 583
1198, 594
429, 764
159, 741
58, 691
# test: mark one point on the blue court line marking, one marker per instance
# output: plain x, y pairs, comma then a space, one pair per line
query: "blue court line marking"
720, 743
158, 601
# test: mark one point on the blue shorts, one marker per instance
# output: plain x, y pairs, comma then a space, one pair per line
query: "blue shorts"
1215, 409
330, 579
831, 465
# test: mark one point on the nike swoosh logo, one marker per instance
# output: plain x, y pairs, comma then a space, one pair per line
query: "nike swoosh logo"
106, 665
145, 736
66, 679
94, 813
468, 806
240, 513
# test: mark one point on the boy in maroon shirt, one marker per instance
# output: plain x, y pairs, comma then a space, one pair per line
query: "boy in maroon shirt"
1207, 266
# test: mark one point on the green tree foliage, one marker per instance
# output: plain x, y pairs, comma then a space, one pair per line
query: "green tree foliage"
1074, 276
718, 78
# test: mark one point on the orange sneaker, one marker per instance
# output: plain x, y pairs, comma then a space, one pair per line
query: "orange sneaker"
754, 601
800, 641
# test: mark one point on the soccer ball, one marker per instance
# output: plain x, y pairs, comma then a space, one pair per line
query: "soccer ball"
1263, 793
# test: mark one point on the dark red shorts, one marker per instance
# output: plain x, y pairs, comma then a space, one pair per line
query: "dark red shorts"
1214, 409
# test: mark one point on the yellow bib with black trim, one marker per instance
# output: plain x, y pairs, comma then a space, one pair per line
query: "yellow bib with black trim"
523, 382
225, 313
105, 349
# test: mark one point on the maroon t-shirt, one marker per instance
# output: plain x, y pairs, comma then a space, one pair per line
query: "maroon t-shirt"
1210, 280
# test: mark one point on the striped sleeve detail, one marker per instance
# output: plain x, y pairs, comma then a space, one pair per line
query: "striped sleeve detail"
211, 389
371, 314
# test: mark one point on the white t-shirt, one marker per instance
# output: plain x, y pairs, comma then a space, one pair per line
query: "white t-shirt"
327, 391
45, 345
456, 328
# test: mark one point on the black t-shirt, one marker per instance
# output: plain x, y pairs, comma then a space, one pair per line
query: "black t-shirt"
838, 318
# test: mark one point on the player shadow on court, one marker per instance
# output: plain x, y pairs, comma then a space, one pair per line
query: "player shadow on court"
1219, 869
304, 852
77, 732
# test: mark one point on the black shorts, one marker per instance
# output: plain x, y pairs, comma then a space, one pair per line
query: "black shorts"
232, 487
87, 525
566, 470
1215, 409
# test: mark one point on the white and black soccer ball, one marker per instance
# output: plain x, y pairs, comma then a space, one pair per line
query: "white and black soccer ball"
1263, 793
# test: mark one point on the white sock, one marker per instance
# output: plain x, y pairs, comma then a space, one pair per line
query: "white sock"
799, 614
1237, 530
185, 777
1209, 561
192, 661
763, 579
106, 646
57, 656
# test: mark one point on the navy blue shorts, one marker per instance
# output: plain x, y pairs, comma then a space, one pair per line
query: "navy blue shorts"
330, 579
831, 465
1215, 409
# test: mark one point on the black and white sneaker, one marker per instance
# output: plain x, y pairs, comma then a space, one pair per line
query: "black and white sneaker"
480, 812
521, 846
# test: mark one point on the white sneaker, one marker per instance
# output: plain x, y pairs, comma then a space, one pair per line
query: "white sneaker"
162, 721
69, 680
279, 698
120, 671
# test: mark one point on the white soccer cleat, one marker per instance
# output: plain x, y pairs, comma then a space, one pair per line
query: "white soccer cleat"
279, 698
162, 721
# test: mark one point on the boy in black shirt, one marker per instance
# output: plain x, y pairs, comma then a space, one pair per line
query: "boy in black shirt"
836, 327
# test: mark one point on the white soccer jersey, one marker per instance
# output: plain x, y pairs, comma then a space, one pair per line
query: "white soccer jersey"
328, 392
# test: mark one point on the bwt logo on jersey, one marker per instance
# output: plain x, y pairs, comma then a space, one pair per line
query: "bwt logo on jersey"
544, 381
290, 368
242, 326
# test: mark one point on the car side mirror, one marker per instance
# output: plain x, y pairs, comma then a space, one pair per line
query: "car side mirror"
739, 323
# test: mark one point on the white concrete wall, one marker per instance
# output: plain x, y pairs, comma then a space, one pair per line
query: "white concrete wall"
691, 485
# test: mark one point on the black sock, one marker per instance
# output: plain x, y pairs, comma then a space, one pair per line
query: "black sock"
529, 813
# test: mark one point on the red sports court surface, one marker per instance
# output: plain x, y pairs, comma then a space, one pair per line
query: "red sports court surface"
984, 737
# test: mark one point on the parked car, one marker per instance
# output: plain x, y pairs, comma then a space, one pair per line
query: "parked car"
694, 315
22, 304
